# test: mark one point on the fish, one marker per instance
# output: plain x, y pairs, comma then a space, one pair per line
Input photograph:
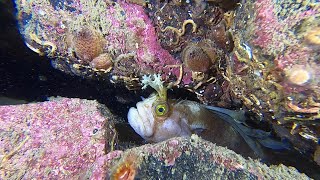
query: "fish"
158, 121
158, 118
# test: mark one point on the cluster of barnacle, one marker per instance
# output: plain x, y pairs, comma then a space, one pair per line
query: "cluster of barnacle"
195, 32
87, 44
89, 52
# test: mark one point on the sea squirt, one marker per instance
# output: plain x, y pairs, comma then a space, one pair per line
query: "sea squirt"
87, 43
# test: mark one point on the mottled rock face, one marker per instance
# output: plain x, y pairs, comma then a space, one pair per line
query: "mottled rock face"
184, 41
191, 158
274, 69
60, 139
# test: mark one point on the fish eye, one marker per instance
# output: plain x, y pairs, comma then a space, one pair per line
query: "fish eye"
161, 109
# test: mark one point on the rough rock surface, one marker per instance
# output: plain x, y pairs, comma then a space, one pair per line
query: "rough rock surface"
191, 158
59, 139
274, 67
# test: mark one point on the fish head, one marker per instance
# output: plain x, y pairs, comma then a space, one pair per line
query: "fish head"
156, 120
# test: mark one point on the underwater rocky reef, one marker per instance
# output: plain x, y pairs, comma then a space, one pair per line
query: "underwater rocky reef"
70, 138
260, 56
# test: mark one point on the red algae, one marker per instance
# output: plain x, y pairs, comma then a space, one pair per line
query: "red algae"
293, 55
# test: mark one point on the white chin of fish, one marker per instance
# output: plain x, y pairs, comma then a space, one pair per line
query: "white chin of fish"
141, 120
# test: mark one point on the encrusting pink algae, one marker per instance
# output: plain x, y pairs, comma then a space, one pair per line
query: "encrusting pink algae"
59, 139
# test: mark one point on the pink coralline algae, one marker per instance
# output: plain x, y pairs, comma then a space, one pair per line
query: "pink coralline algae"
139, 39
277, 30
149, 52
59, 139
124, 29
265, 17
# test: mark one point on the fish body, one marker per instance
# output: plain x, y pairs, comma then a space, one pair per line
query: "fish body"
183, 119
158, 118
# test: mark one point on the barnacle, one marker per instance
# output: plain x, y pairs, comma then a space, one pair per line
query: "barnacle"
123, 57
87, 43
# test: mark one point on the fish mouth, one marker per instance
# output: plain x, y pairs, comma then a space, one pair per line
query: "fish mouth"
140, 120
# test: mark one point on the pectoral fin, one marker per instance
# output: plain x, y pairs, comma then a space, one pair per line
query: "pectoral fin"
273, 144
241, 129
253, 137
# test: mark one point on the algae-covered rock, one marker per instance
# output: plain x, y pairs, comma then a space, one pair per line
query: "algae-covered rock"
191, 158
59, 139
274, 68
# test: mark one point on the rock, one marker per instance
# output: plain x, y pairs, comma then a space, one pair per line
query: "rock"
274, 68
139, 40
191, 158
59, 139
